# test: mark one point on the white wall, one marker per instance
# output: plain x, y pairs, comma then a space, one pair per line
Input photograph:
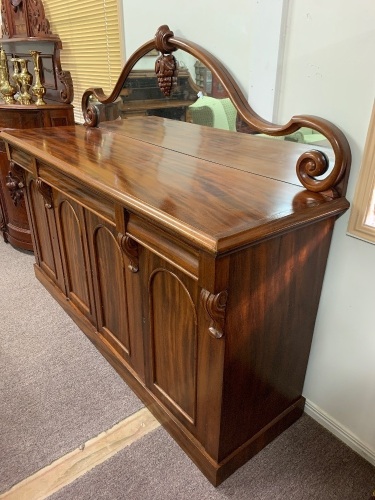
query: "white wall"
328, 70
225, 32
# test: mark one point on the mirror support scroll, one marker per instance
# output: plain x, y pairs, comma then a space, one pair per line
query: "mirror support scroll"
312, 168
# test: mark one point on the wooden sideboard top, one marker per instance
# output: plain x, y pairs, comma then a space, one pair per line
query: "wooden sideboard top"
216, 189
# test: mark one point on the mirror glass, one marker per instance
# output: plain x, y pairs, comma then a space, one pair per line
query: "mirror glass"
141, 94
198, 97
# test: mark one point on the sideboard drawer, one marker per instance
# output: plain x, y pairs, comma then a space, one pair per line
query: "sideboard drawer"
168, 247
22, 159
93, 201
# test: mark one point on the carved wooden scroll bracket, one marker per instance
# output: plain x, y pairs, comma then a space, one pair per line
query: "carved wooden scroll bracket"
130, 248
46, 191
66, 88
15, 182
215, 306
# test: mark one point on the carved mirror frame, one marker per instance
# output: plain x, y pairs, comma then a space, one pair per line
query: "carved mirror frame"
313, 169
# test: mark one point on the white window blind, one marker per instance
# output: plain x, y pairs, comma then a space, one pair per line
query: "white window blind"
91, 35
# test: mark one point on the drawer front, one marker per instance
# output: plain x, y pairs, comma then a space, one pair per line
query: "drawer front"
22, 159
170, 248
93, 201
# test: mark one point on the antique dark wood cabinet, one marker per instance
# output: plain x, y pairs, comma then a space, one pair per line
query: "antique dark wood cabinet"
192, 257
25, 28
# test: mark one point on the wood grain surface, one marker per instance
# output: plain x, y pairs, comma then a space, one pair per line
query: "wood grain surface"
166, 172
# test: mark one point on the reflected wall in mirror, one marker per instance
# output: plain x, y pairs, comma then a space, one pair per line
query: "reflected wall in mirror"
198, 97
141, 94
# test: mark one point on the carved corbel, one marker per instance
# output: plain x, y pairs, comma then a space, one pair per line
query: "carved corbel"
130, 248
67, 91
15, 182
215, 306
46, 191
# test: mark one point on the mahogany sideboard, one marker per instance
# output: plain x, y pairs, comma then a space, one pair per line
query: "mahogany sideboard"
193, 259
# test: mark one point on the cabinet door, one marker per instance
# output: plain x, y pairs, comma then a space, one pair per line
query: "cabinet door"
171, 322
46, 245
115, 289
184, 362
71, 227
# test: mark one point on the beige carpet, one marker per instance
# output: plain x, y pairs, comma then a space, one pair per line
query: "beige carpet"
305, 463
56, 390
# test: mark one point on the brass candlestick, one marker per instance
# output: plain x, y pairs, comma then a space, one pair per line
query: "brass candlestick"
38, 89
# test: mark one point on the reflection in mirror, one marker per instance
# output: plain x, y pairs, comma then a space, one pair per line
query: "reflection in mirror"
141, 94
198, 97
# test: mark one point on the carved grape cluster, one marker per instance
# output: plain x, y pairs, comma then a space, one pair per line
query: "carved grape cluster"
166, 69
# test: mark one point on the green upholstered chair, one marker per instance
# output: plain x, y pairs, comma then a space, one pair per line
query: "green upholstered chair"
212, 112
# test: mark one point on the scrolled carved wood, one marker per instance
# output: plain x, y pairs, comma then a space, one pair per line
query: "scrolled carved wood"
14, 186
65, 78
38, 22
162, 36
215, 306
333, 184
46, 191
15, 182
130, 248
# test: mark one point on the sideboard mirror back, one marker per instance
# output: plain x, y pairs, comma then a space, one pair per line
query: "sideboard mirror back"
177, 79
